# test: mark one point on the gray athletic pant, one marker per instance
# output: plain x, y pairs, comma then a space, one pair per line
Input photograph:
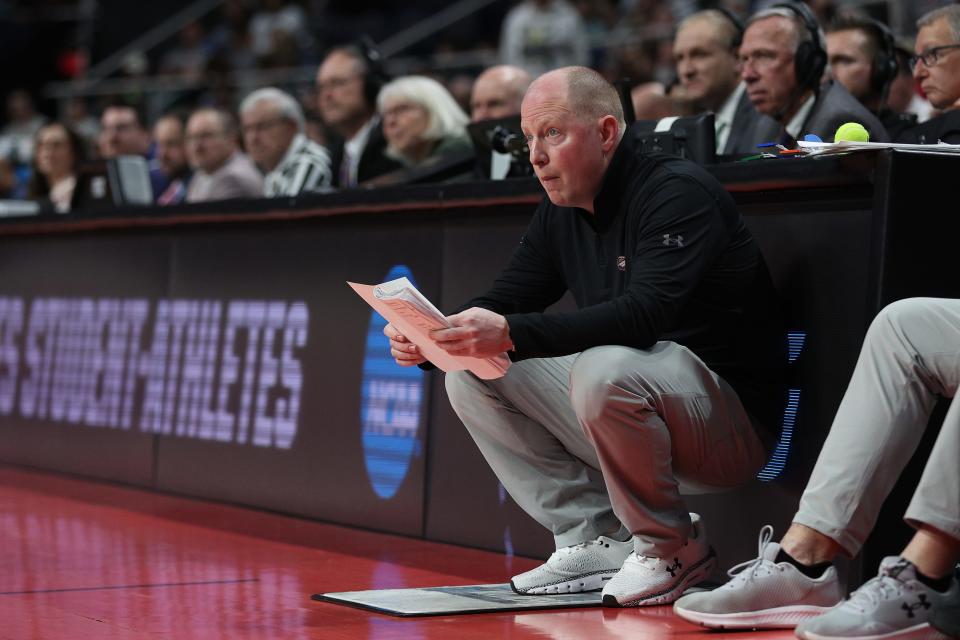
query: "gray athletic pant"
911, 355
588, 441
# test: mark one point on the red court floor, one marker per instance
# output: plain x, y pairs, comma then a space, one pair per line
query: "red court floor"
83, 559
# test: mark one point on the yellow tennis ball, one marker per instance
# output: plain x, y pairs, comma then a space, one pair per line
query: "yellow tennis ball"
852, 132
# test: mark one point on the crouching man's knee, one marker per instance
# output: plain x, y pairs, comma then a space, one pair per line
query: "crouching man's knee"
603, 378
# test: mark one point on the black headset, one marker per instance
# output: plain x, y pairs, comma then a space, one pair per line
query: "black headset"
374, 75
885, 66
735, 21
810, 60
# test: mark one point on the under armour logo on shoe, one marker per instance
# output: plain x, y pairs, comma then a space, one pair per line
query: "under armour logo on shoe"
672, 241
921, 603
673, 569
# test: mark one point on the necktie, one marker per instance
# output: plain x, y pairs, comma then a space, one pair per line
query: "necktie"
345, 173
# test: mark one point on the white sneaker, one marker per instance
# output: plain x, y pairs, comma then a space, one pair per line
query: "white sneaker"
645, 580
893, 605
762, 594
580, 567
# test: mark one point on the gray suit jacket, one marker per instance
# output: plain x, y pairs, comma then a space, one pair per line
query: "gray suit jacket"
237, 178
741, 130
833, 107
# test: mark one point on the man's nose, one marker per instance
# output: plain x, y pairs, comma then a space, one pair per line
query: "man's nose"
537, 156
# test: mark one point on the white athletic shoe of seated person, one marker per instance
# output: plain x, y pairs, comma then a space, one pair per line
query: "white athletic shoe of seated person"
762, 594
645, 580
893, 605
580, 567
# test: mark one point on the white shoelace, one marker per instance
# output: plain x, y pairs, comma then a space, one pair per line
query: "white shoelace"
565, 551
746, 571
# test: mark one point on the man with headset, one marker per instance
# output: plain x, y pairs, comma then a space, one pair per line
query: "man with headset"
708, 69
936, 66
863, 58
348, 81
783, 58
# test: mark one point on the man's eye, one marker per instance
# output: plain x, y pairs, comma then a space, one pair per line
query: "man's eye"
553, 132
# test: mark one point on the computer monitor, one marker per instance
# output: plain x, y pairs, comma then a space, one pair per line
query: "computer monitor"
119, 182
690, 137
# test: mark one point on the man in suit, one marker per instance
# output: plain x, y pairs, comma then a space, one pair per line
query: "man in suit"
221, 171
348, 81
705, 52
784, 56
936, 66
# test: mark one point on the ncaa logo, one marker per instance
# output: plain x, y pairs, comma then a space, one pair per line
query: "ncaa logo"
391, 400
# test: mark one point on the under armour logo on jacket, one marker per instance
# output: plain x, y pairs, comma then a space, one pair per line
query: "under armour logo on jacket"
673, 568
921, 603
672, 241
622, 263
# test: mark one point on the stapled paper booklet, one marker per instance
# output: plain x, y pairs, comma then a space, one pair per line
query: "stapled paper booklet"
415, 317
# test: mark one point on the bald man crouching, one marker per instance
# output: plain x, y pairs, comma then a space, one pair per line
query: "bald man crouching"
660, 383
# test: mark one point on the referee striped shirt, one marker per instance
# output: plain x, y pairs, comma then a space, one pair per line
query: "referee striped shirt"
305, 168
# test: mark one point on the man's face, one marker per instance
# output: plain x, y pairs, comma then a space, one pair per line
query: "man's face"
171, 153
493, 97
340, 96
266, 134
121, 133
850, 64
208, 145
565, 151
707, 67
941, 80
766, 56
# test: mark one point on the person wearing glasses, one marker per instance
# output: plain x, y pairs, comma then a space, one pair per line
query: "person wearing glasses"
348, 82
221, 171
273, 125
936, 67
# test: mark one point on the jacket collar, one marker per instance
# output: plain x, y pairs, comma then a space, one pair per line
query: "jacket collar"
606, 204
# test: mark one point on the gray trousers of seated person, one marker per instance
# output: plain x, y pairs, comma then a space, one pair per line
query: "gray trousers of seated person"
910, 358
605, 441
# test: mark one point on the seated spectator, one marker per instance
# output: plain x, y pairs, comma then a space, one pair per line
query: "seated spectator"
540, 35
651, 102
421, 120
910, 358
783, 58
273, 134
58, 154
221, 171
498, 92
123, 132
16, 138
936, 66
277, 21
189, 57
348, 82
708, 69
863, 58
171, 160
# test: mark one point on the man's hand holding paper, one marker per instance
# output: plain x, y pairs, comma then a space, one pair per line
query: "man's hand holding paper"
475, 332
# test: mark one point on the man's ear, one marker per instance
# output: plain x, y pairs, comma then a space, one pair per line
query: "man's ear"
609, 133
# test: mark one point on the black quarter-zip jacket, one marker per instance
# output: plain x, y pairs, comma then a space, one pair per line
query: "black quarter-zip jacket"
666, 256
